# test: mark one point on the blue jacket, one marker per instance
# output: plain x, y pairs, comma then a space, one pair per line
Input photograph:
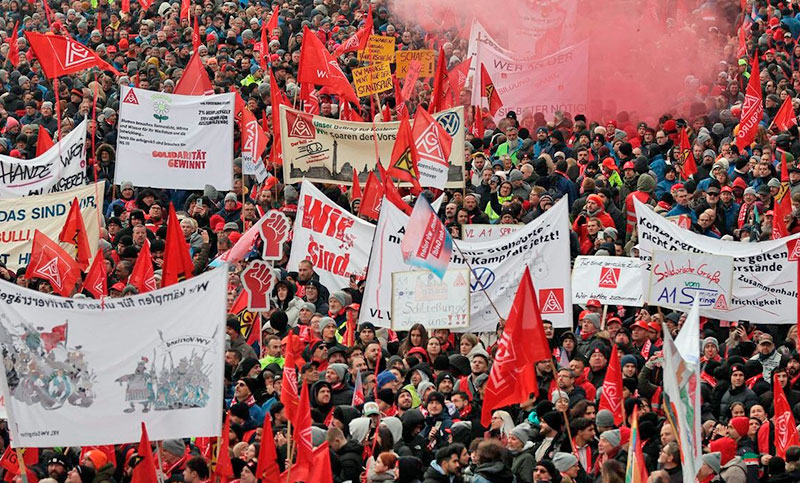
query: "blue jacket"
678, 210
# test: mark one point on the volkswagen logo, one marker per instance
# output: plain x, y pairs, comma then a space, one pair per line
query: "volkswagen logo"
450, 122
482, 279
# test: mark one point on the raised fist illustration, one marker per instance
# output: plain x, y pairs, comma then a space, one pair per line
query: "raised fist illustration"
274, 232
258, 281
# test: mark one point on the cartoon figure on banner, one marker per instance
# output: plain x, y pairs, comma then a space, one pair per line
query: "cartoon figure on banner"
139, 386
41, 369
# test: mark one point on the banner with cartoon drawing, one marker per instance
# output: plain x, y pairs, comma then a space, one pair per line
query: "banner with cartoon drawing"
81, 372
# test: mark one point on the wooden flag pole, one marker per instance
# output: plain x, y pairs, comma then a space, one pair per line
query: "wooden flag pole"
289, 450
160, 472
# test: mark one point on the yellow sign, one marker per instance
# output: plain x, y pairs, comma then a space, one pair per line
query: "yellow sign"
372, 79
379, 49
424, 57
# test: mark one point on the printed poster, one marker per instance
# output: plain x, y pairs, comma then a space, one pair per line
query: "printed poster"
611, 280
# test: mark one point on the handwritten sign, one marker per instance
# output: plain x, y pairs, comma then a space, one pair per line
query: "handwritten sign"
487, 232
379, 49
372, 79
424, 57
420, 297
677, 278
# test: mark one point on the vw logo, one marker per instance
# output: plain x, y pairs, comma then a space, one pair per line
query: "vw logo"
482, 279
450, 122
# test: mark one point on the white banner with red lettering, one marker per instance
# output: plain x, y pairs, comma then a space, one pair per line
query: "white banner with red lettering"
611, 280
335, 241
557, 82
497, 267
175, 141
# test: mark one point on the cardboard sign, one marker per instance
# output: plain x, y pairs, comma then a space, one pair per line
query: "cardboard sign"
677, 278
379, 49
424, 57
480, 232
420, 297
611, 280
372, 79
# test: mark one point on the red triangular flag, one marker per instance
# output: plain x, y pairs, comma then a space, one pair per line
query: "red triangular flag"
347, 113
195, 35
43, 141
178, 263
752, 109
404, 156
61, 55
318, 67
441, 84
277, 98
224, 467
302, 431
74, 233
489, 92
194, 81
96, 282
785, 427
13, 48
320, 471
358, 391
50, 262
267, 469
785, 118
254, 140
433, 146
185, 6
611, 398
49, 13
399, 99
458, 79
145, 469
359, 40
143, 276
271, 26
687, 156
356, 195
262, 47
289, 382
373, 195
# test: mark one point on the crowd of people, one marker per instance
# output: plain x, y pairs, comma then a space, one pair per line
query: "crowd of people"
421, 416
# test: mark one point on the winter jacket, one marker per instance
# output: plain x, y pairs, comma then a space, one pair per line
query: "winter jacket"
350, 461
733, 472
523, 463
741, 394
495, 472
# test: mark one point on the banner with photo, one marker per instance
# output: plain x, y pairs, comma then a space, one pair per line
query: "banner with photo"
175, 141
497, 267
420, 297
764, 274
611, 280
60, 168
326, 150
20, 217
72, 363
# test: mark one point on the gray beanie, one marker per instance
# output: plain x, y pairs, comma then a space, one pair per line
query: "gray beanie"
230, 196
340, 297
309, 306
125, 185
522, 432
593, 318
714, 461
339, 369
613, 437
290, 194
174, 446
711, 340
604, 418
710, 152
481, 380
515, 175
564, 461
325, 321
750, 191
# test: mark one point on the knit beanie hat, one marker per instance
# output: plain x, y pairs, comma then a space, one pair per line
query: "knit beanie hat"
564, 461
613, 437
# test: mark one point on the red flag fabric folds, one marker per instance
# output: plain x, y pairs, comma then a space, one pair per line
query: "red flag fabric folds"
61, 55
145, 469
43, 141
178, 263
50, 262
267, 469
358, 41
96, 282
143, 276
13, 48
611, 398
373, 195
405, 156
785, 428
318, 67
194, 81
74, 233
752, 109
489, 92
687, 156
785, 117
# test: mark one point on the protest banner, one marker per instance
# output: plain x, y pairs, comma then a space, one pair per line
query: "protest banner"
414, 68
556, 82
171, 378
611, 280
175, 141
372, 79
425, 57
335, 241
764, 285
544, 27
487, 232
326, 150
60, 168
20, 217
677, 278
380, 48
420, 297
497, 267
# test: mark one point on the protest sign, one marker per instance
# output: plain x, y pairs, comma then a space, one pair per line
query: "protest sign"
557, 82
60, 168
764, 285
497, 267
677, 278
414, 69
611, 280
420, 297
335, 241
487, 232
326, 150
71, 363
372, 79
425, 57
380, 48
20, 217
175, 141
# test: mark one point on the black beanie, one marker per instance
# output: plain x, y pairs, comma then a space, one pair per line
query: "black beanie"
279, 321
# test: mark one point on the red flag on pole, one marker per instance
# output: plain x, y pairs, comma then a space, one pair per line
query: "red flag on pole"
143, 276
194, 81
433, 146
271, 26
358, 391
441, 84
43, 141
277, 99
356, 195
289, 382
783, 202
458, 79
318, 67
785, 118
611, 398
96, 282
687, 157
61, 55
512, 378
195, 35
185, 6
489, 92
373, 195
13, 48
320, 471
359, 40
405, 156
752, 109
224, 467
267, 469
785, 427
302, 431
126, 6
74, 233
144, 471
254, 140
178, 263
50, 262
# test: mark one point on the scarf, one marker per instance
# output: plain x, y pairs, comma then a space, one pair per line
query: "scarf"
753, 380
250, 401
646, 348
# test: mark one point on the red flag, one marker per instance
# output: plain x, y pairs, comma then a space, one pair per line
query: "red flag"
178, 263
254, 140
289, 381
74, 233
358, 391
785, 118
356, 186
96, 282
391, 193
145, 469
785, 427
512, 378
126, 6
405, 156
277, 98
347, 113
399, 99
185, 6
752, 109
263, 48
373, 195
783, 202
433, 146
271, 26
142, 276
224, 467
320, 471
302, 431
57, 334
267, 469
489, 92
13, 48
99, 22
611, 398
458, 79
441, 84
477, 125
50, 262
49, 13
195, 35
687, 157
43, 141
194, 81
310, 98
61, 55
359, 40
318, 67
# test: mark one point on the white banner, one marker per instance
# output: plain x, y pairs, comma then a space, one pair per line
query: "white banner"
60, 168
556, 82
764, 274
175, 141
544, 26
322, 150
20, 217
71, 364
487, 232
611, 280
419, 297
335, 241
677, 278
497, 266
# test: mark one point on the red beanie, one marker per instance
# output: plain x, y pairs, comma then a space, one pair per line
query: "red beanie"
726, 447
597, 199
741, 425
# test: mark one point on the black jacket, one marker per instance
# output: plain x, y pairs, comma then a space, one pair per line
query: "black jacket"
350, 461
